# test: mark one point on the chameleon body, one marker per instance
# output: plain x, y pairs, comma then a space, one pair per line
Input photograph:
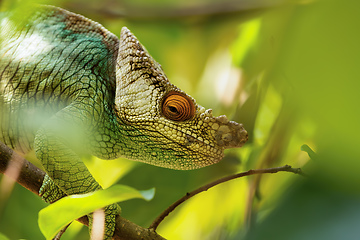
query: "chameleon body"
69, 87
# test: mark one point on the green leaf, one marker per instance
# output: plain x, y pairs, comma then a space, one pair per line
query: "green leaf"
57, 215
310, 152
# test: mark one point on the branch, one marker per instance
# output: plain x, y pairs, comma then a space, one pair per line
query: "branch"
153, 12
31, 177
171, 208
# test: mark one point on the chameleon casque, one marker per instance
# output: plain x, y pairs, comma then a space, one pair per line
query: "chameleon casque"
69, 88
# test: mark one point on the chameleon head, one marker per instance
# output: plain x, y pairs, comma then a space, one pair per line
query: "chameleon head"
168, 128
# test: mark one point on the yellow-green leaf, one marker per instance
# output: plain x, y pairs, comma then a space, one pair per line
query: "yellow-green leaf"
57, 215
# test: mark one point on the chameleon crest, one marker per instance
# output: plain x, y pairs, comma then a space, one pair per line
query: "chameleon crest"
181, 134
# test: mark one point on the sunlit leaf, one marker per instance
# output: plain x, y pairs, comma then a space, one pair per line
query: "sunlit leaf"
57, 215
246, 40
107, 173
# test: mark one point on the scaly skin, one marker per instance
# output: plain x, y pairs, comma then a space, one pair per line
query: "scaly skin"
70, 88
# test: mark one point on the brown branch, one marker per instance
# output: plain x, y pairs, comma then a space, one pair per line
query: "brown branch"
31, 177
153, 12
171, 208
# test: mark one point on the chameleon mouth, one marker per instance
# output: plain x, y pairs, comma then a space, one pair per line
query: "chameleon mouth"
224, 133
209, 149
205, 153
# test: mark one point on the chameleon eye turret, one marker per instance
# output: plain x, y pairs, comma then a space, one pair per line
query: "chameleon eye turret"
177, 107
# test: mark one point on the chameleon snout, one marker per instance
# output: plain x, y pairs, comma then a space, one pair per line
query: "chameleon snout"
229, 134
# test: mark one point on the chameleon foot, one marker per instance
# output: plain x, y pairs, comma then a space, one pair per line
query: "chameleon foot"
49, 191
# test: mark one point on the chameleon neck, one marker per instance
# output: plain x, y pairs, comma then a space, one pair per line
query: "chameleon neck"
114, 138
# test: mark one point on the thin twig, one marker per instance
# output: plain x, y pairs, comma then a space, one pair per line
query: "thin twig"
62, 231
171, 208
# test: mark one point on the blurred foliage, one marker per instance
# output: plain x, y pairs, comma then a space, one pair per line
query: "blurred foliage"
289, 71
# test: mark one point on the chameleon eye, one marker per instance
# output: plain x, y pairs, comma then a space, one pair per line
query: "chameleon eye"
178, 107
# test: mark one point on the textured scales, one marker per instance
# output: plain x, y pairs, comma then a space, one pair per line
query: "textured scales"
70, 88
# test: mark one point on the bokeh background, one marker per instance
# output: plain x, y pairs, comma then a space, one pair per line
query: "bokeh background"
289, 71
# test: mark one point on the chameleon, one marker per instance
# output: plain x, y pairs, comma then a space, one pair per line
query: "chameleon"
70, 88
